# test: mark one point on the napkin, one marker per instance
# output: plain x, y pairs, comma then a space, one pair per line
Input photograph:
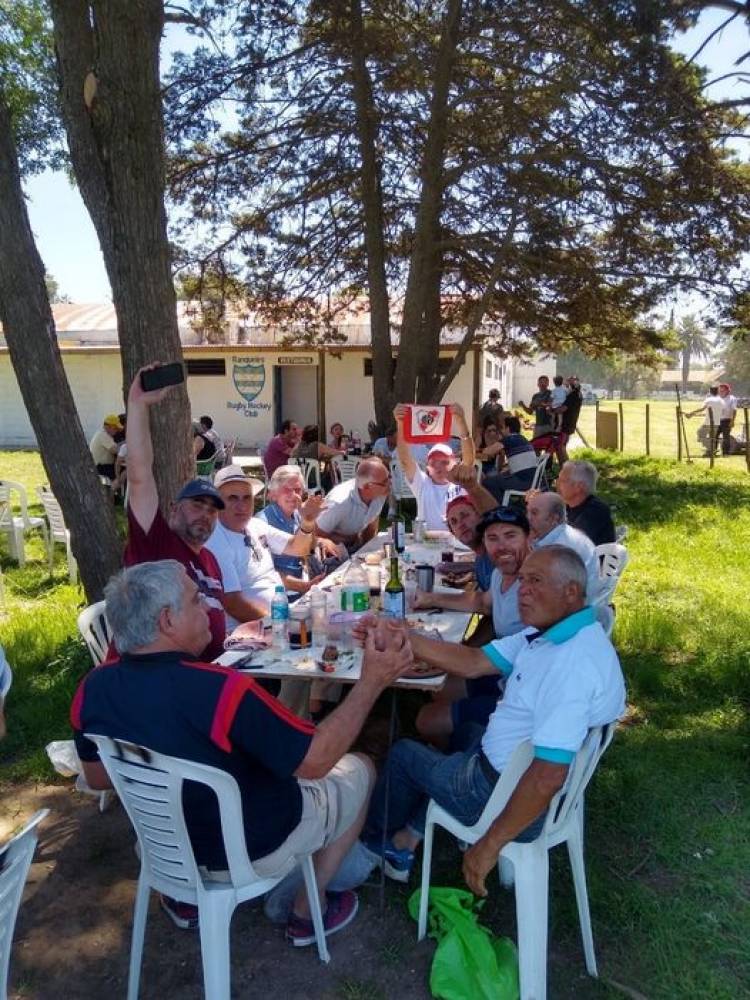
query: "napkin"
249, 635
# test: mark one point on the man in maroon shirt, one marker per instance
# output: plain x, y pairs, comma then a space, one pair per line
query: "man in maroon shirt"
280, 447
192, 516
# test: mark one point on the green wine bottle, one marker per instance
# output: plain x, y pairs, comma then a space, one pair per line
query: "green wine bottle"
398, 530
394, 596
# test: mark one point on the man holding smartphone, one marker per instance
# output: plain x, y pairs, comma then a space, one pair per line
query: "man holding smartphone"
191, 519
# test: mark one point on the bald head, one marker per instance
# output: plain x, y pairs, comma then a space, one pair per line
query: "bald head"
545, 511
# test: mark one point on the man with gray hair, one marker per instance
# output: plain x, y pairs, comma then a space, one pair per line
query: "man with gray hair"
301, 790
576, 484
548, 520
353, 507
562, 677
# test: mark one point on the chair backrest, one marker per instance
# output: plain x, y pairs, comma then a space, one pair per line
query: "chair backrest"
54, 513
6, 514
579, 773
149, 785
229, 447
6, 677
7, 488
346, 468
541, 465
205, 469
613, 558
95, 631
621, 533
310, 468
15, 860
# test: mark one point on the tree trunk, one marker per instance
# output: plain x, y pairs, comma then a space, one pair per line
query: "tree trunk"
108, 59
420, 329
685, 367
30, 333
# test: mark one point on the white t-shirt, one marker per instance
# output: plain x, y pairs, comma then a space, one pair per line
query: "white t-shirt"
728, 406
346, 512
247, 566
714, 405
432, 499
559, 395
559, 685
506, 618
572, 538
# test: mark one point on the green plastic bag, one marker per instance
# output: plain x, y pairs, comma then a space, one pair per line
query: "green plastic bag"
469, 963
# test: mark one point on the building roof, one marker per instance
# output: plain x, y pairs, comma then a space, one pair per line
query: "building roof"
703, 375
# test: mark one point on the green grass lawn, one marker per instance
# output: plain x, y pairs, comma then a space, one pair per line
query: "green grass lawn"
668, 821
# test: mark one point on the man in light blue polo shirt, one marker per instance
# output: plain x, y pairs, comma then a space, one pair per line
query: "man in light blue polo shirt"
562, 678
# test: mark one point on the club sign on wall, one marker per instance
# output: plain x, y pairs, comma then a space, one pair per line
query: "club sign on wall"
249, 379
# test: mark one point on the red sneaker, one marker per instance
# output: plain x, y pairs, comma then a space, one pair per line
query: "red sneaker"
341, 910
182, 915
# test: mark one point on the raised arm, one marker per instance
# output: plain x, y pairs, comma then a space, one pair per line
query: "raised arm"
143, 499
302, 542
470, 600
462, 431
403, 450
466, 476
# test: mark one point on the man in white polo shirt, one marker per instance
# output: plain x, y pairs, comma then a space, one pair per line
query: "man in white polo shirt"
244, 546
433, 487
562, 678
548, 520
352, 508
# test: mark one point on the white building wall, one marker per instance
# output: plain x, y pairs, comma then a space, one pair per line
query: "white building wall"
523, 375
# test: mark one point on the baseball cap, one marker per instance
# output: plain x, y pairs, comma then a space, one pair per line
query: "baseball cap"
502, 515
112, 420
440, 449
461, 498
200, 488
236, 474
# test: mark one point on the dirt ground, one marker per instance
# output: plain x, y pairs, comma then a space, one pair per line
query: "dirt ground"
72, 937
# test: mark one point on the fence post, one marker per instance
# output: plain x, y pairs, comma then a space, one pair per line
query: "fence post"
747, 439
679, 434
622, 428
648, 429
711, 448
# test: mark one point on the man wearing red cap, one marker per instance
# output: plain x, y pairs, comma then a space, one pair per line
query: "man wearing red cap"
433, 487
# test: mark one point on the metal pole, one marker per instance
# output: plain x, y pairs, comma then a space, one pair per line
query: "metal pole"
681, 425
711, 448
679, 434
747, 439
648, 429
622, 428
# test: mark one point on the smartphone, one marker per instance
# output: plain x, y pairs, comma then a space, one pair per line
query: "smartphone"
158, 378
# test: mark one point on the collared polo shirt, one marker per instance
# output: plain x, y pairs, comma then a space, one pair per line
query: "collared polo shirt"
559, 684
572, 538
212, 715
346, 512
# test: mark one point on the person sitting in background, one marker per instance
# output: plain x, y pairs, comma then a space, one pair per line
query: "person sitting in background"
204, 448
504, 534
286, 492
279, 449
189, 523
104, 447
335, 435
385, 447
311, 447
244, 546
353, 507
300, 789
207, 429
433, 488
576, 484
491, 450
548, 520
491, 410
562, 678
522, 461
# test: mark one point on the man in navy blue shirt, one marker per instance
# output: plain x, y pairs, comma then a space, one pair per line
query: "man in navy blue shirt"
299, 788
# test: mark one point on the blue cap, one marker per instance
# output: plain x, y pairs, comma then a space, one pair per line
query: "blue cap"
201, 488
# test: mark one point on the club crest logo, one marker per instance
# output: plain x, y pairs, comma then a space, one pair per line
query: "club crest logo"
249, 379
427, 420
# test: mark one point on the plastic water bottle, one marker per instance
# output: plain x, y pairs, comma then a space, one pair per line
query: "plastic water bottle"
355, 591
280, 618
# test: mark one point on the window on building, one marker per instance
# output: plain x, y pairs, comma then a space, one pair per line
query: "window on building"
442, 366
488, 369
206, 366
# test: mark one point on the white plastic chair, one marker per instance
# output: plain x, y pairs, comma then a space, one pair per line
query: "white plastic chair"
16, 526
613, 558
530, 862
95, 631
541, 466
150, 787
15, 861
57, 531
345, 468
310, 468
621, 533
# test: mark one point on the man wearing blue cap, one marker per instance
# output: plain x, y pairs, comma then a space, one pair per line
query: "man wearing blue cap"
192, 516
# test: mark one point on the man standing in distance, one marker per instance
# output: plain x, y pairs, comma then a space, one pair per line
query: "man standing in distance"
538, 407
192, 516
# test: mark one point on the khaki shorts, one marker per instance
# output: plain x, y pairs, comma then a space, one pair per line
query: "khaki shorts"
330, 806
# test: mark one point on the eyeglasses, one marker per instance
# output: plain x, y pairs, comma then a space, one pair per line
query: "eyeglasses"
255, 549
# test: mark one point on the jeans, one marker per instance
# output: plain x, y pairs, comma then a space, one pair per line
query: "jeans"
418, 773
723, 431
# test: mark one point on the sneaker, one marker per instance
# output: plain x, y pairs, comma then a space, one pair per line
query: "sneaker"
341, 910
397, 864
182, 915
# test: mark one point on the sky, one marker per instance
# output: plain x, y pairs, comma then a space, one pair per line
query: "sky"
69, 247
